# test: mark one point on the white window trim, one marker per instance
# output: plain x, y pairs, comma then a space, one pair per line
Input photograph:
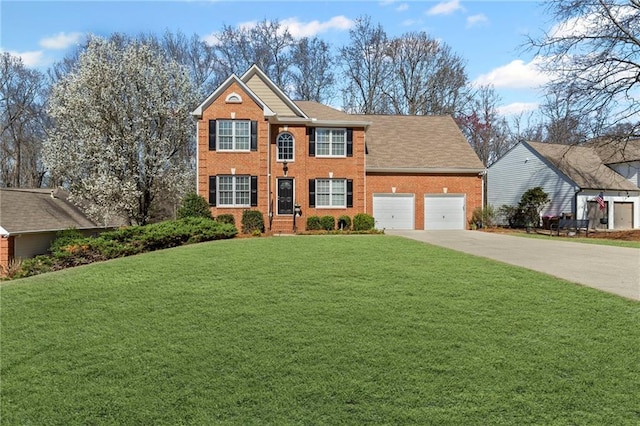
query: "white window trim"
233, 135
331, 206
233, 189
329, 129
233, 98
279, 160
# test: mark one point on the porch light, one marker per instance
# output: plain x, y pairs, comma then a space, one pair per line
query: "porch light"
285, 168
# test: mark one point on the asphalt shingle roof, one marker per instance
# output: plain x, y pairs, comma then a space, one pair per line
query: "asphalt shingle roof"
32, 210
407, 142
583, 165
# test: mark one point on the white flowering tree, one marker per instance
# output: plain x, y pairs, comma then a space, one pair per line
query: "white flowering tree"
121, 124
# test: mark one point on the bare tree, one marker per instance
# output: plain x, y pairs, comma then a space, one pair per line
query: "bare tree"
312, 77
593, 55
267, 44
427, 77
486, 131
367, 69
22, 121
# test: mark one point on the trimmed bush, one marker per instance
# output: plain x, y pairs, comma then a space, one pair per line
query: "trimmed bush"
313, 223
127, 241
328, 223
194, 205
363, 222
344, 222
226, 218
252, 220
65, 238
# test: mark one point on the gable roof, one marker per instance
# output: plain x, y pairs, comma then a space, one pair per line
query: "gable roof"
612, 151
407, 143
39, 210
272, 95
220, 90
419, 143
583, 165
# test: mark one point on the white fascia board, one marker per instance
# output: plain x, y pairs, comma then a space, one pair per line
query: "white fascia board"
256, 70
414, 170
4, 232
197, 113
312, 122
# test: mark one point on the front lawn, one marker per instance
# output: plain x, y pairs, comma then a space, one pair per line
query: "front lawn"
314, 330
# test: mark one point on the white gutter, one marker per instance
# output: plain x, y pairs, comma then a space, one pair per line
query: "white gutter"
312, 122
409, 170
4, 232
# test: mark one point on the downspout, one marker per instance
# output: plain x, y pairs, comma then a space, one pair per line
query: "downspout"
575, 203
197, 157
269, 195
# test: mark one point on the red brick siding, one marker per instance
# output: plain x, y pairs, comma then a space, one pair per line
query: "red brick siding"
421, 184
6, 252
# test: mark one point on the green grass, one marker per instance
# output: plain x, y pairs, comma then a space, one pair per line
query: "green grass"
315, 330
585, 240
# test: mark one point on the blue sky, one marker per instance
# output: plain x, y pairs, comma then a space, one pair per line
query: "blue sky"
487, 34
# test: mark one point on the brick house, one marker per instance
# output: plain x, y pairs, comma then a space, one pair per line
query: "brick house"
258, 149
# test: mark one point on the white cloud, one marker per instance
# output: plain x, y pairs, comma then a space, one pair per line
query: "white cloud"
309, 29
517, 108
296, 28
477, 20
61, 40
515, 75
402, 7
589, 24
409, 22
445, 8
32, 59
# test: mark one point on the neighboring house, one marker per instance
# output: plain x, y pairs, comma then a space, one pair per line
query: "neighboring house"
258, 149
30, 218
573, 176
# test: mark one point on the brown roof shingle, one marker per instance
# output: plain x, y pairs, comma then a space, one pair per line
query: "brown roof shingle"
583, 165
33, 210
407, 142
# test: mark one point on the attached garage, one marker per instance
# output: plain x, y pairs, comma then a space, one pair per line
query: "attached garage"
394, 211
444, 211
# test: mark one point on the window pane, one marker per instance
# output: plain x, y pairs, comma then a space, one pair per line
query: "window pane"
323, 192
243, 190
285, 147
339, 142
338, 193
225, 190
243, 135
323, 142
225, 134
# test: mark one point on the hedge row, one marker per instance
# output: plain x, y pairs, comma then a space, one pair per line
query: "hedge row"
361, 222
72, 249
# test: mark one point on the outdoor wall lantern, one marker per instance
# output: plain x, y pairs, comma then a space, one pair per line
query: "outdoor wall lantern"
285, 168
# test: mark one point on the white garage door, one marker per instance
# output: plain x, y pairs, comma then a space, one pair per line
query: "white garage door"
394, 211
444, 212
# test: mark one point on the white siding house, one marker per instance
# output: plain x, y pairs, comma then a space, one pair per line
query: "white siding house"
573, 176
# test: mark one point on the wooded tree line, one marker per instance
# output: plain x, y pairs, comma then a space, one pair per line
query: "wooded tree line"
110, 121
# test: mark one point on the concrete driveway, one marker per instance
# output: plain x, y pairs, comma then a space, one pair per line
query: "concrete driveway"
612, 269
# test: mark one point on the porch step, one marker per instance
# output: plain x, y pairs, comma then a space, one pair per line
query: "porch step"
283, 226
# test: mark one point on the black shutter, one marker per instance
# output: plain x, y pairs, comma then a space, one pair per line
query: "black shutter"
311, 131
254, 136
349, 142
254, 191
212, 191
212, 135
349, 192
312, 192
